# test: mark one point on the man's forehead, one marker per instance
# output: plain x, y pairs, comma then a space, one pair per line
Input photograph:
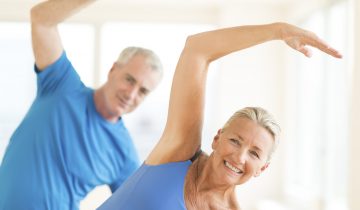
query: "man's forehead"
147, 80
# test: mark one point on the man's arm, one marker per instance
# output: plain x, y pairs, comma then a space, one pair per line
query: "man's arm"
45, 17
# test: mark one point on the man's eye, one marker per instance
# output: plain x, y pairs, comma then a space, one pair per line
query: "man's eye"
235, 141
144, 92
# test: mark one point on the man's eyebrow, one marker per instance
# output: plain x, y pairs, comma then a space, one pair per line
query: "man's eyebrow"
130, 76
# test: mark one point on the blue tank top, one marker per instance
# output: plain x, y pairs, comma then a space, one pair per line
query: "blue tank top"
159, 187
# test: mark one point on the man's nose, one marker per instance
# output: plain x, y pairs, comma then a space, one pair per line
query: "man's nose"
131, 93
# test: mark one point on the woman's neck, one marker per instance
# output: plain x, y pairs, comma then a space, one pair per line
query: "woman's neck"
203, 192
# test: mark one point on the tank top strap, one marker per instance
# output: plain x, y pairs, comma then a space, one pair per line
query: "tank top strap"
196, 155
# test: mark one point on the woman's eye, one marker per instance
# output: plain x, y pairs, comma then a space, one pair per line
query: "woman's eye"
255, 154
235, 141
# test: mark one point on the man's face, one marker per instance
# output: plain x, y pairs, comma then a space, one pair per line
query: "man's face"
128, 85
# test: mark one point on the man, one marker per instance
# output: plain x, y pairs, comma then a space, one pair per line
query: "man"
72, 138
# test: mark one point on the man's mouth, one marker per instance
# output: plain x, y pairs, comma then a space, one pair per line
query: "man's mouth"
123, 103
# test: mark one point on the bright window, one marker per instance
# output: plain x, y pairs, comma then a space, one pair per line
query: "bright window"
317, 173
17, 81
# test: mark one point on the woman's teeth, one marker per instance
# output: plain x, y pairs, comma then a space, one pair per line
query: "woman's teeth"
233, 168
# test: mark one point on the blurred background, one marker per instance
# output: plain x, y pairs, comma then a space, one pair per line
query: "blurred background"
315, 100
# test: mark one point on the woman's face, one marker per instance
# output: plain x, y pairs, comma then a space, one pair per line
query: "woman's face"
240, 152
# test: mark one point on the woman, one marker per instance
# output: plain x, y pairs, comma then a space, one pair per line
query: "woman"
176, 175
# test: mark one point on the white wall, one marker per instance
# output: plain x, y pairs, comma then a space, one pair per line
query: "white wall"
354, 144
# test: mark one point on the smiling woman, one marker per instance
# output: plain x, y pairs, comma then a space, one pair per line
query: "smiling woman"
177, 175
244, 145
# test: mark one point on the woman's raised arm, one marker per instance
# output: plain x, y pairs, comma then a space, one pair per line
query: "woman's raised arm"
182, 135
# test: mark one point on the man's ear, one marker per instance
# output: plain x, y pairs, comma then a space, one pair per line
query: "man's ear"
112, 69
262, 169
216, 139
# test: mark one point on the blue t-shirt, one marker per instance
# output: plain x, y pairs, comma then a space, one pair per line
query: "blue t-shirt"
63, 148
159, 187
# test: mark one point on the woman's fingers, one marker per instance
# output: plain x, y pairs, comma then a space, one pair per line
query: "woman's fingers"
299, 43
306, 51
323, 46
333, 52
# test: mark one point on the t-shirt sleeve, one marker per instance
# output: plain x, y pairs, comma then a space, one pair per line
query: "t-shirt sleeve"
59, 77
130, 167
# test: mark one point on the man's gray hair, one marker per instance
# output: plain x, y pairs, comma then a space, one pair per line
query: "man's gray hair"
151, 58
262, 118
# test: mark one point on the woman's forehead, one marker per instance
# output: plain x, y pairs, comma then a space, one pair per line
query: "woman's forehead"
248, 130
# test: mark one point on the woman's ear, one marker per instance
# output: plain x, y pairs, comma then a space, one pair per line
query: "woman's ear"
216, 139
262, 169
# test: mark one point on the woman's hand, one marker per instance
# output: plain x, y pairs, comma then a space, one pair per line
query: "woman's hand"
299, 39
